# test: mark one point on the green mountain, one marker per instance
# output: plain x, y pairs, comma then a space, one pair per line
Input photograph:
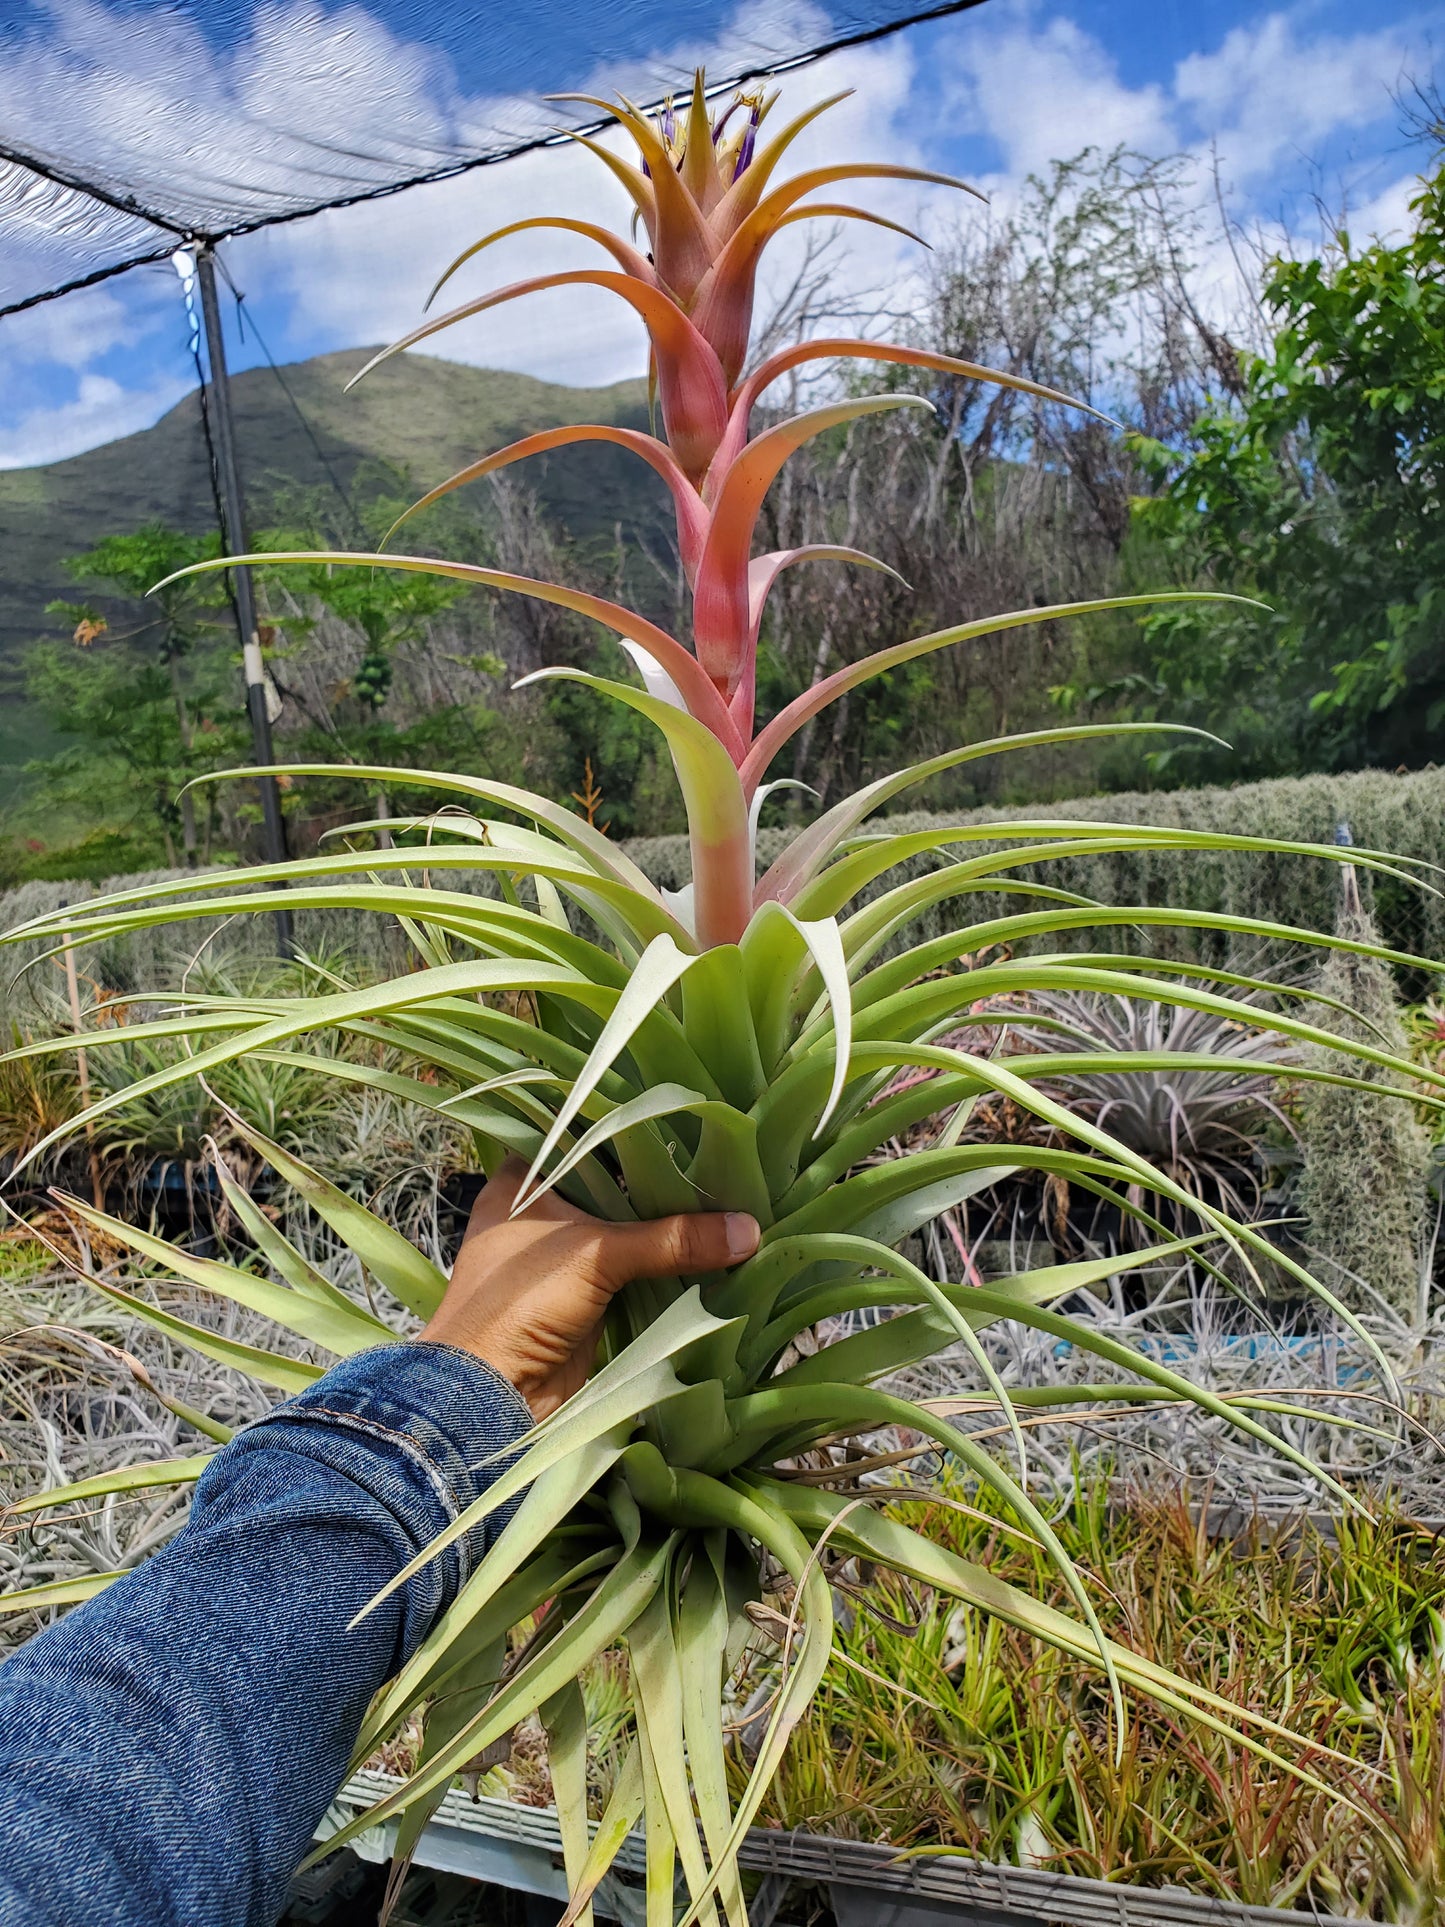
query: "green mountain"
300, 429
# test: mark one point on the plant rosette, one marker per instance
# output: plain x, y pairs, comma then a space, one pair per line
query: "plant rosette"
734, 1045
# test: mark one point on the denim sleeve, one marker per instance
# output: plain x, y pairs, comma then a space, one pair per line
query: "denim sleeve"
167, 1749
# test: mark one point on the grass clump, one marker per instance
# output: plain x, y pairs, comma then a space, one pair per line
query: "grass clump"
938, 1729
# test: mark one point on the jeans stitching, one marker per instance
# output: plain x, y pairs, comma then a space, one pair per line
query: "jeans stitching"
377, 1428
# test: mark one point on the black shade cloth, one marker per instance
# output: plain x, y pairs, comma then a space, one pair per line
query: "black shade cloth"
130, 126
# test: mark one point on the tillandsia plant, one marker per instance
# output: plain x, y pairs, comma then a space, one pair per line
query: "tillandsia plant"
734, 1045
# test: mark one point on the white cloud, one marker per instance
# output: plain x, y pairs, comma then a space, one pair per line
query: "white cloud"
1275, 89
74, 331
101, 411
1021, 76
360, 274
1384, 216
1044, 91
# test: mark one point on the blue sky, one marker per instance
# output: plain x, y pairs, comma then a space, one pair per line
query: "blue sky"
1294, 100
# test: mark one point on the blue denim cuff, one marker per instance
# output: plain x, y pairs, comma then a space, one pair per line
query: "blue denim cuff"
424, 1427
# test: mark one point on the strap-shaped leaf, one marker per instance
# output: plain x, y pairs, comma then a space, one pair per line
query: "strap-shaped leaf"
320, 1013
337, 1330
662, 1101
641, 1375
717, 809
564, 1718
838, 1405
127, 1478
611, 1608
407, 1273
619, 1817
813, 1614
57, 1592
901, 972
657, 1697
467, 1693
703, 1630
659, 1843
719, 1024
833, 1299
661, 965
726, 1171
806, 855
498, 1589
288, 1375
277, 1250
826, 949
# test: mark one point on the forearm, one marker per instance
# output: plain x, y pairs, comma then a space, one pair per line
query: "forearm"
167, 1750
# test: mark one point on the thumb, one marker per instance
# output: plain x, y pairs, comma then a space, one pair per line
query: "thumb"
693, 1241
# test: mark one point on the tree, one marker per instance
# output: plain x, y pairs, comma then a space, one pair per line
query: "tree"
176, 619
1000, 499
384, 612
1319, 490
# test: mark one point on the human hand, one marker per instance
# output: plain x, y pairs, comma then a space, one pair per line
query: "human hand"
527, 1294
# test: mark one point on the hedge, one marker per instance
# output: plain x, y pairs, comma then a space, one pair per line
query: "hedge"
1400, 813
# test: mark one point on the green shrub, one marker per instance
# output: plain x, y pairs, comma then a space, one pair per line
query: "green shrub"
1401, 813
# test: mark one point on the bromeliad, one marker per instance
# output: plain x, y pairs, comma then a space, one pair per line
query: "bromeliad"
738, 1044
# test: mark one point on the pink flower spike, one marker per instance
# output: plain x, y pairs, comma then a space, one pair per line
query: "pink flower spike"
721, 617
683, 245
747, 190
723, 310
689, 375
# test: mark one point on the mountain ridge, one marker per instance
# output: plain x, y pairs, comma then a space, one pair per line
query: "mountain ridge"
416, 413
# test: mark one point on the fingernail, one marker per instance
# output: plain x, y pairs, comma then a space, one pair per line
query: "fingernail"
743, 1233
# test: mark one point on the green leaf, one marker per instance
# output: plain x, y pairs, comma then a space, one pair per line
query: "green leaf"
719, 1026
839, 1405
826, 949
411, 1277
564, 1718
494, 1597
611, 1608
321, 1013
905, 1339
702, 1648
619, 1816
288, 1375
57, 1592
661, 965
717, 809
639, 1376
657, 1697
277, 1250
805, 856
316, 1322
664, 1100
127, 1478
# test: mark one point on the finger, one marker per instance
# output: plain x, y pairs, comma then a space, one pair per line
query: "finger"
662, 1247
494, 1201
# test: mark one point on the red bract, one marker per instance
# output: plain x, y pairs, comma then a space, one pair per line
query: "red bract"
702, 195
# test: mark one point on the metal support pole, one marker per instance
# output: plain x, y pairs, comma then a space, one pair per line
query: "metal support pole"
234, 536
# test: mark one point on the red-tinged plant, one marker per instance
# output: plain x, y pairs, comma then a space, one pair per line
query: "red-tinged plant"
738, 1044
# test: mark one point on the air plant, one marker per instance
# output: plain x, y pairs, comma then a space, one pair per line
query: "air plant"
1201, 1126
730, 1045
